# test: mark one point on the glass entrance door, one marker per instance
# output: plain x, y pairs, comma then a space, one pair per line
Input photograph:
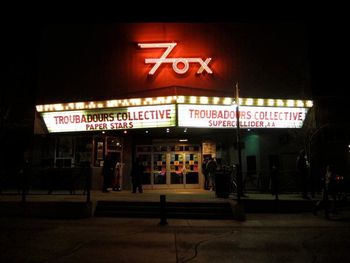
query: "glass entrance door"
171, 166
176, 168
159, 168
191, 166
184, 168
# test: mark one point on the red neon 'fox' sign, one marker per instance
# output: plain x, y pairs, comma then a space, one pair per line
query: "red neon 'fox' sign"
175, 61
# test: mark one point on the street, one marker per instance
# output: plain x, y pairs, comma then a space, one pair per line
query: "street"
261, 238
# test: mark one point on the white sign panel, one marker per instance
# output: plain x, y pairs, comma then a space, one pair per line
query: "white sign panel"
214, 116
110, 119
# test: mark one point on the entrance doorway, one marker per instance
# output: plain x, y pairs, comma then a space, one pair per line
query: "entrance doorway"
170, 166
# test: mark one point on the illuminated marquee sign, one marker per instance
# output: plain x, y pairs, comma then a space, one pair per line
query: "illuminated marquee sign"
110, 119
215, 116
175, 61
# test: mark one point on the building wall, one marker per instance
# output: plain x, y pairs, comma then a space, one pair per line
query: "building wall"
102, 62
268, 60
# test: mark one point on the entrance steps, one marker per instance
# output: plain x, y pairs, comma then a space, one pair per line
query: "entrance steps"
179, 210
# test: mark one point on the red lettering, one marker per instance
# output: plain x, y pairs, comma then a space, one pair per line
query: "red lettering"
56, 119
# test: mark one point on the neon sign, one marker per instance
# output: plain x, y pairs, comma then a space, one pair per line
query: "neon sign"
175, 61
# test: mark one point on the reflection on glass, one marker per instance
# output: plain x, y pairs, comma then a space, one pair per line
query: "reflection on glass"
147, 165
176, 169
114, 144
143, 148
191, 168
170, 164
159, 168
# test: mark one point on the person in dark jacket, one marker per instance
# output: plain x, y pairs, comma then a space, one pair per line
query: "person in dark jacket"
274, 181
211, 168
206, 174
107, 173
136, 176
302, 169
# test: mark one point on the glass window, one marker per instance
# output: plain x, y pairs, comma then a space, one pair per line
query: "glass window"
176, 168
191, 168
160, 148
83, 150
159, 166
64, 151
177, 148
99, 151
114, 144
64, 147
60, 163
143, 148
147, 165
48, 152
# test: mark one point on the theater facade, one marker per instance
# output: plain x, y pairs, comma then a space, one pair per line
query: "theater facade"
172, 94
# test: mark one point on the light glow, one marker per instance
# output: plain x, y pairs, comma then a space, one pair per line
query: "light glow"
300, 103
280, 103
249, 101
180, 99
204, 100
171, 100
290, 103
309, 103
227, 101
193, 99
271, 102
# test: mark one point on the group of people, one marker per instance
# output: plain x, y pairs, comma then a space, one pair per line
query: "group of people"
302, 166
210, 167
330, 185
112, 177
220, 177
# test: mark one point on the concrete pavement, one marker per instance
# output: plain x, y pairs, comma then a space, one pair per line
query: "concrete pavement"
61, 204
261, 238
148, 195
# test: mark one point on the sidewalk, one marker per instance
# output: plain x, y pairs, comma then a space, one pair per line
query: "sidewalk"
173, 195
61, 204
262, 238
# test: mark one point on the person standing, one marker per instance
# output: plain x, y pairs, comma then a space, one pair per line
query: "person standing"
328, 188
211, 168
302, 169
107, 173
117, 185
136, 176
274, 181
205, 173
